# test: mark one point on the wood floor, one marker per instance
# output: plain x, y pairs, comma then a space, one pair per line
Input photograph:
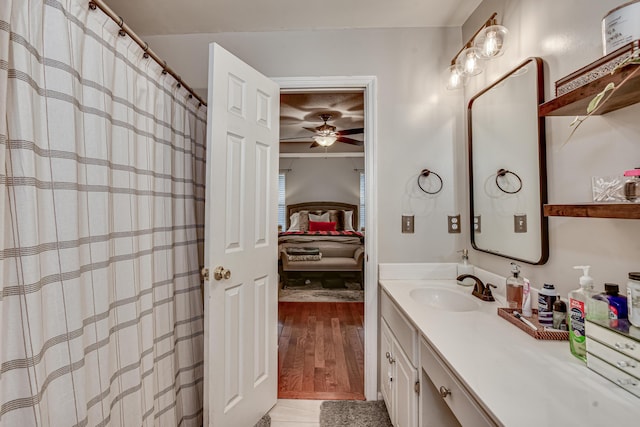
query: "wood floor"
321, 350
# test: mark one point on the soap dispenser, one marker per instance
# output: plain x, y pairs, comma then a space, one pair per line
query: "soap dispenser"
515, 284
578, 300
463, 266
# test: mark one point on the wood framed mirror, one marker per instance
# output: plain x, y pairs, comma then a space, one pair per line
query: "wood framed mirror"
507, 166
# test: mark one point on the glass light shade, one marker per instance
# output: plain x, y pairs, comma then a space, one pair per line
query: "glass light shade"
325, 141
469, 62
454, 79
491, 41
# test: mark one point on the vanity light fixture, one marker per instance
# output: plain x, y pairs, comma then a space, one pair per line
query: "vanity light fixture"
487, 43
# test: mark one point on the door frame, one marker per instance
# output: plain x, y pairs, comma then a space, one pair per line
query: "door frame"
369, 85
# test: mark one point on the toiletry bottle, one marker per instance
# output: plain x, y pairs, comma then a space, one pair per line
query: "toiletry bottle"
515, 284
577, 313
526, 298
464, 267
633, 298
617, 304
559, 314
546, 298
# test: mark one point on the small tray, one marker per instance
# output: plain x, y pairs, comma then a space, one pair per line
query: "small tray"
540, 334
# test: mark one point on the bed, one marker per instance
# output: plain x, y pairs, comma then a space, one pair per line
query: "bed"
321, 237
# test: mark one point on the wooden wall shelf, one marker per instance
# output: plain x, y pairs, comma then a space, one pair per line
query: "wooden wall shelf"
595, 210
575, 103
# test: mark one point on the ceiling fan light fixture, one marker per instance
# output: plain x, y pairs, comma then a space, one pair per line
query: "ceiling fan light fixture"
325, 140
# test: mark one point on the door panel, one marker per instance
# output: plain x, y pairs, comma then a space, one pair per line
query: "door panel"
241, 237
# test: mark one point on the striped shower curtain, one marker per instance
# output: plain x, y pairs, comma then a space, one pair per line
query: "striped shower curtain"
101, 224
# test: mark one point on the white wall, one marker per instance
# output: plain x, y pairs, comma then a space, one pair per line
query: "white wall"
328, 179
417, 119
567, 36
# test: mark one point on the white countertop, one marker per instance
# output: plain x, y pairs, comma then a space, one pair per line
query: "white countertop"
520, 380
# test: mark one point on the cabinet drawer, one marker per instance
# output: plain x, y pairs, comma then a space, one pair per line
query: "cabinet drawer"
613, 357
402, 329
462, 404
614, 375
616, 341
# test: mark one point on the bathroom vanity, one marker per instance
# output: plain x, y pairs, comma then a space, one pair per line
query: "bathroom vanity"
453, 361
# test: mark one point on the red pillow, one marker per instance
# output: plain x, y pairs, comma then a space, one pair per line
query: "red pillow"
322, 226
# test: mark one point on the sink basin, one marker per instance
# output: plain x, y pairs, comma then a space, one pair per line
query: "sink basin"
445, 299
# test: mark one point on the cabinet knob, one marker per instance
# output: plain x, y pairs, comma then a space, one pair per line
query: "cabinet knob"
444, 392
624, 346
626, 364
388, 355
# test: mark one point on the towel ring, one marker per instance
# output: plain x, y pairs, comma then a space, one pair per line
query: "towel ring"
504, 172
426, 173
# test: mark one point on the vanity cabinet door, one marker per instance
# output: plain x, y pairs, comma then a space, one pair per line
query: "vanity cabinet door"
406, 402
386, 368
466, 409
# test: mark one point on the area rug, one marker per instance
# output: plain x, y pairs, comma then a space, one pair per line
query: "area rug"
264, 421
314, 292
354, 413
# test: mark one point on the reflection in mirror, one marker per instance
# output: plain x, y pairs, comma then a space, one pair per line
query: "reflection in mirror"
507, 172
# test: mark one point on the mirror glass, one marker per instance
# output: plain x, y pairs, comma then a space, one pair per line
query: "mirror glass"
507, 173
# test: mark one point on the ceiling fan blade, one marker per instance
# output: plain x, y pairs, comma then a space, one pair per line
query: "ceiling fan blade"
350, 141
314, 145
293, 138
310, 129
350, 131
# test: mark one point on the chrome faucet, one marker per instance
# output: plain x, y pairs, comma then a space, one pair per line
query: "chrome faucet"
479, 289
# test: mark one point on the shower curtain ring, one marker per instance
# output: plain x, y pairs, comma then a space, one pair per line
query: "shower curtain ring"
121, 23
92, 5
504, 172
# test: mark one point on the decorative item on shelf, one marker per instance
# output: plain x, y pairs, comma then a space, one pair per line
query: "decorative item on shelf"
427, 173
487, 43
601, 98
620, 26
607, 188
501, 175
632, 185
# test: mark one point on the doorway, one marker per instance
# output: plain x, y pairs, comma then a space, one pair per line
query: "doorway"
368, 308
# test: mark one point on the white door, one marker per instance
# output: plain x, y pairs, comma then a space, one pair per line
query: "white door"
241, 377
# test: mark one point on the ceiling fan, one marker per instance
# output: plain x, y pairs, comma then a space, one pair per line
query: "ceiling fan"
326, 134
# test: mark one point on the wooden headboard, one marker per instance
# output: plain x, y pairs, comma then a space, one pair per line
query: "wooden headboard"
323, 207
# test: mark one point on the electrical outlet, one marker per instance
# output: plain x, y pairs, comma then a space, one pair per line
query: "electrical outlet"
520, 223
477, 224
453, 224
407, 223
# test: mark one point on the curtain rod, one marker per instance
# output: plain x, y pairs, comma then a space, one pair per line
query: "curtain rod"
145, 46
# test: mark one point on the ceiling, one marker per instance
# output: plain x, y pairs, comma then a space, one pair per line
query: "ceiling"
158, 17
300, 110
164, 17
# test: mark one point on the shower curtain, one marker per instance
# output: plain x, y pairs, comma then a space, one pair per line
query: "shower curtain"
102, 171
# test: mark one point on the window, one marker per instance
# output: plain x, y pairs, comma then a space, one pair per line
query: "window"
362, 198
282, 213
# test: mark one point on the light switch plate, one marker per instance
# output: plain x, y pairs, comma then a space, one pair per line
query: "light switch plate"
407, 223
453, 223
520, 223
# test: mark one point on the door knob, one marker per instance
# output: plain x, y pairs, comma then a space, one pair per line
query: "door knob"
221, 273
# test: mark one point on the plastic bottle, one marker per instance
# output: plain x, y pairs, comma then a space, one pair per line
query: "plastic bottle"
464, 267
546, 298
633, 298
526, 298
515, 285
617, 304
560, 315
578, 300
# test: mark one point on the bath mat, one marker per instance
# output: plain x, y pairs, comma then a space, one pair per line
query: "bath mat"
264, 421
354, 413
315, 292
